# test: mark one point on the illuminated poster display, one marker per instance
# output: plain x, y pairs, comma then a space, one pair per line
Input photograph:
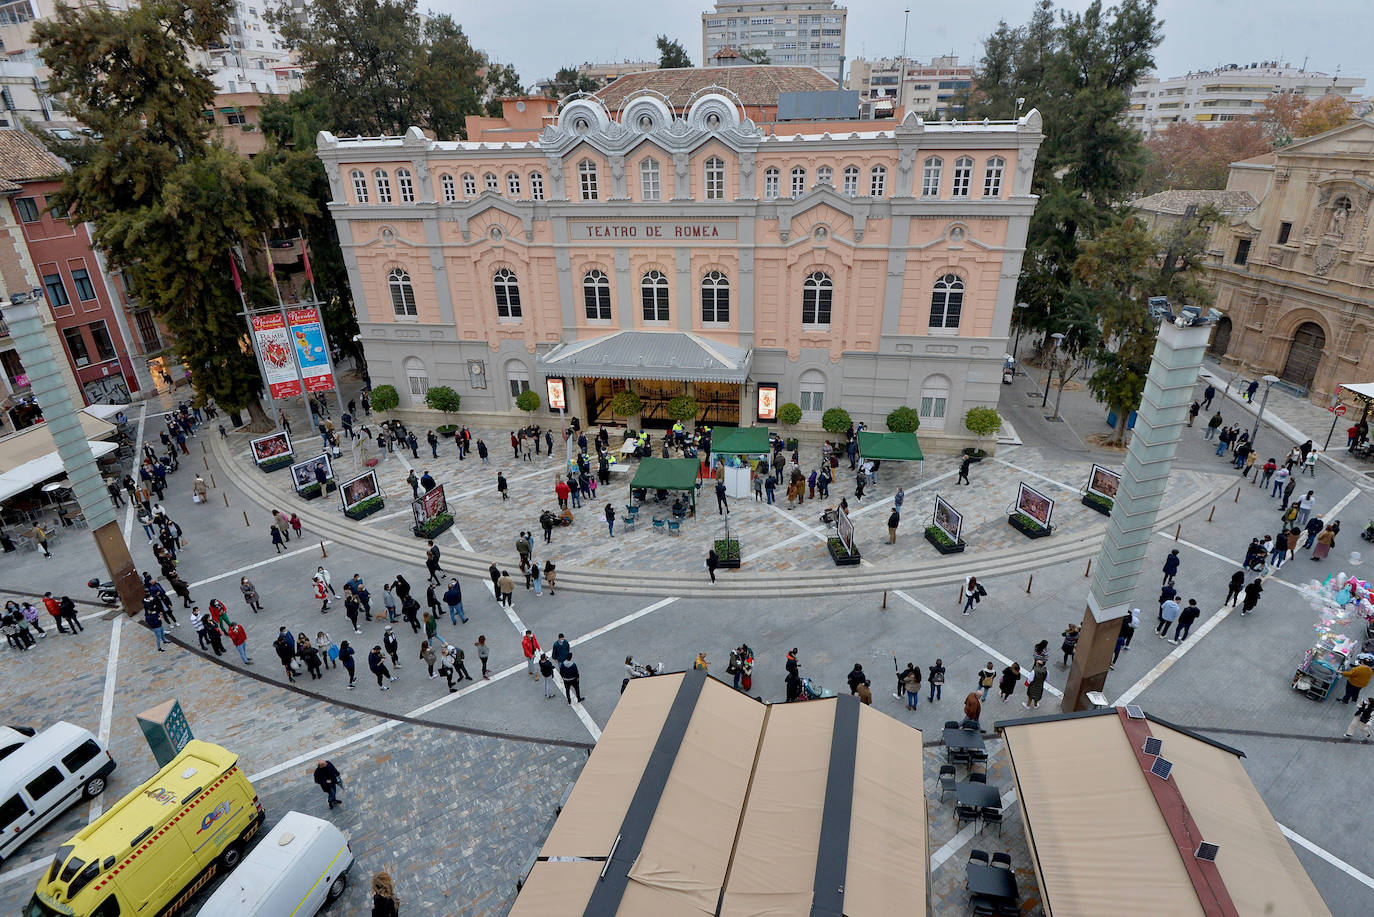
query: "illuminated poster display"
768, 401
558, 399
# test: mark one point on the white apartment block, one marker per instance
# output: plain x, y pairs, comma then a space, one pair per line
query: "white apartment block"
934, 90
808, 34
1230, 93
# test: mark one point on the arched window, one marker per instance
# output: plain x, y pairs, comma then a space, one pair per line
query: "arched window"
513, 184
714, 175
449, 189
963, 176
507, 294
811, 398
851, 181
934, 400
586, 176
770, 184
798, 181
537, 186
517, 378
817, 292
469, 185
930, 176
650, 180
405, 186
383, 181
418, 378
946, 302
877, 181
992, 176
715, 298
402, 293
825, 176
596, 296
359, 185
489, 180
653, 295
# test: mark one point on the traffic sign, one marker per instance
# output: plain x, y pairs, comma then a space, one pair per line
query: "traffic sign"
1338, 410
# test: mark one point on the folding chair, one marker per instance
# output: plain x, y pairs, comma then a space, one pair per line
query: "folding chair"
946, 779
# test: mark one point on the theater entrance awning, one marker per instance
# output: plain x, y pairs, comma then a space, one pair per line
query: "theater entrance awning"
677, 356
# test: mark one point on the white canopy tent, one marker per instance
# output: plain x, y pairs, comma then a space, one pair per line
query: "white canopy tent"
30, 457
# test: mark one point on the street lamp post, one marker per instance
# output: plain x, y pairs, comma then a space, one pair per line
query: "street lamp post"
1268, 384
1018, 311
1058, 339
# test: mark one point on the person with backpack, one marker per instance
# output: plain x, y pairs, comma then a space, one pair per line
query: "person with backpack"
911, 685
935, 678
987, 676
973, 593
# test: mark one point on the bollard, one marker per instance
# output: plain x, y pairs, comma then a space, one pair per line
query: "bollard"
207, 463
1177, 531
323, 552
1237, 499
246, 523
884, 600
1088, 572
212, 480
1030, 579
1213, 512
202, 448
226, 499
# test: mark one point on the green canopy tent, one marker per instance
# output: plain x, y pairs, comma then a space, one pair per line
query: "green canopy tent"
667, 474
740, 441
891, 447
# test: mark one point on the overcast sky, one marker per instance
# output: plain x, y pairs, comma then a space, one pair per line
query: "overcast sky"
538, 36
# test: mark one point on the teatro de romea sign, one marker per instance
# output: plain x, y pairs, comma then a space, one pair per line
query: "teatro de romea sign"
651, 230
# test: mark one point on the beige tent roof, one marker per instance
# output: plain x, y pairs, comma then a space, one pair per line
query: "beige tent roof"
30, 457
1101, 844
700, 800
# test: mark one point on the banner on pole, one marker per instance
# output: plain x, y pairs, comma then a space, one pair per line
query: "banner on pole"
274, 348
308, 336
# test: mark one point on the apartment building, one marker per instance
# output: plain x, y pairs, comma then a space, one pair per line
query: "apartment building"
889, 86
1230, 93
808, 34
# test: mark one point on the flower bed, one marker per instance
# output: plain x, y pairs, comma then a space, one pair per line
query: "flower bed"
1028, 526
365, 508
439, 524
729, 553
277, 463
1102, 504
839, 554
942, 542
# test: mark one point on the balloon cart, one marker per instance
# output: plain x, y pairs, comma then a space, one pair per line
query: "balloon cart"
1338, 602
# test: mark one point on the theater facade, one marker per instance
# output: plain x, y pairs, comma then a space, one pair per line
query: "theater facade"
676, 247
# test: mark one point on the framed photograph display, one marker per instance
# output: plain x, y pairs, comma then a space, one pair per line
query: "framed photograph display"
1034, 504
271, 447
303, 473
948, 519
1104, 482
359, 490
845, 529
429, 505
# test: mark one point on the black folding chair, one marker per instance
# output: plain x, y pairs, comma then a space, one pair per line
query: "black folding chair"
977, 755
947, 784
959, 755
1001, 859
951, 724
982, 906
978, 777
992, 816
978, 856
965, 813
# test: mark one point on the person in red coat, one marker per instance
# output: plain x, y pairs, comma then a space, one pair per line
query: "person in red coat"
563, 491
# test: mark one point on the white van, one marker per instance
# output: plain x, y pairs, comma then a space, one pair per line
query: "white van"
44, 776
300, 866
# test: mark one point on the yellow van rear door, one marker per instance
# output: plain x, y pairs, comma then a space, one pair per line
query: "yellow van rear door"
162, 868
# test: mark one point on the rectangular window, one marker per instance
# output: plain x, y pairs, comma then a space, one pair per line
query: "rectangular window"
85, 290
812, 402
383, 187
715, 180
11, 810
1242, 251
237, 117
536, 186
932, 406
850, 185
649, 181
798, 182
104, 345
147, 330
770, 185
57, 291
930, 179
85, 752
1284, 230
28, 210
963, 177
587, 177
76, 344
517, 386
877, 182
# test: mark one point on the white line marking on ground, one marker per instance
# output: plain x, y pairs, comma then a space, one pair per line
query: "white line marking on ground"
1335, 861
1169, 537
463, 542
262, 563
577, 707
107, 704
940, 619
620, 622
20, 872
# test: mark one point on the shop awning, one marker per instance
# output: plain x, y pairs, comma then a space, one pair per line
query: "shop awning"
1091, 803
739, 441
666, 474
890, 447
676, 356
1364, 390
30, 456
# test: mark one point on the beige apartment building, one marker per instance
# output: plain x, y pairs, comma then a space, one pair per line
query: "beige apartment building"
1295, 276
807, 33
891, 85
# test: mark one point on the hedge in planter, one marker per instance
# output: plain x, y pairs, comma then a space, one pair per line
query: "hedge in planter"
440, 523
365, 508
277, 463
447, 430
942, 542
836, 420
727, 550
903, 420
842, 556
311, 491
1028, 526
1100, 503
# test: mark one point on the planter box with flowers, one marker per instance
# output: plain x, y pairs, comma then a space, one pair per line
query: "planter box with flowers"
727, 550
277, 463
1028, 526
942, 542
1102, 504
842, 556
365, 508
438, 525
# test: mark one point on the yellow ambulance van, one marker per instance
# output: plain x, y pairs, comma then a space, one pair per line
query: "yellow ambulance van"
158, 846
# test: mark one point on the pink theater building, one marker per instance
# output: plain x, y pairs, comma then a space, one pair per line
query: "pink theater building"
675, 246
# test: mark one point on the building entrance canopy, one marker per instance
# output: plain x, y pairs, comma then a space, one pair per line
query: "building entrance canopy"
677, 356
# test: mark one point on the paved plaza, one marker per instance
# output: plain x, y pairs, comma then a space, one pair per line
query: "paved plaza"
453, 792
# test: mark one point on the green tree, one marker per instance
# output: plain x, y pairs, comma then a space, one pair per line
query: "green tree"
982, 422
671, 53
443, 398
903, 420
626, 403
385, 398
502, 83
836, 420
374, 69
527, 401
756, 55
569, 80
789, 414
168, 204
683, 408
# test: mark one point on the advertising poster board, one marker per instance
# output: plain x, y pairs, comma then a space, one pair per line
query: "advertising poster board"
1034, 504
307, 334
271, 446
768, 402
948, 519
556, 388
356, 490
274, 349
303, 473
1104, 482
845, 529
429, 505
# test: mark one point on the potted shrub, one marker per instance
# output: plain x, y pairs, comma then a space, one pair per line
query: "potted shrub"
789, 415
727, 549
1098, 502
446, 400
1028, 526
439, 524
527, 401
384, 398
942, 542
842, 556
683, 409
836, 420
277, 463
903, 420
310, 492
365, 508
627, 404
981, 422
